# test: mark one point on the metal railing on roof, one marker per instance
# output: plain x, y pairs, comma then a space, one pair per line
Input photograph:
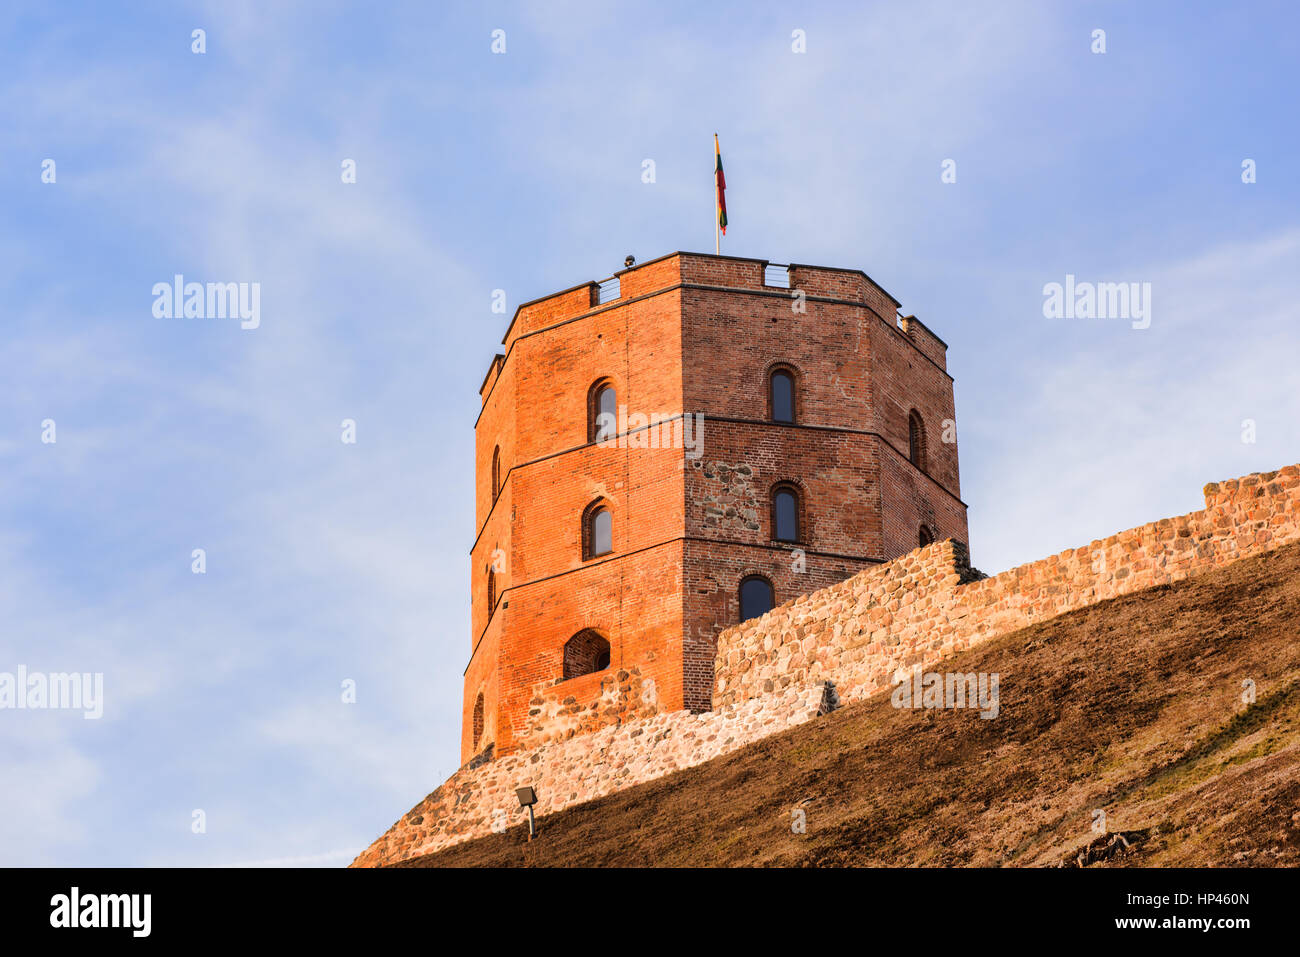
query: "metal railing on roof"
776, 275
607, 291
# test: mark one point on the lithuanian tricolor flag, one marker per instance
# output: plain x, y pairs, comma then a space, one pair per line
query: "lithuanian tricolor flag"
721, 182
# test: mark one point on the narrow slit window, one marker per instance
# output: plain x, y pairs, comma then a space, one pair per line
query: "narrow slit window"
916, 440
785, 516
604, 413
782, 396
600, 532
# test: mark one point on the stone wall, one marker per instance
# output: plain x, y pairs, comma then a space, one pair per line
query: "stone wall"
561, 708
847, 640
476, 799
925, 606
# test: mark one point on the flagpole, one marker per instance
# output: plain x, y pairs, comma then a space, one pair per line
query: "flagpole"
717, 236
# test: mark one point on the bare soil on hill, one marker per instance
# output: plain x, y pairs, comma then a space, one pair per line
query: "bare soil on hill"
1133, 707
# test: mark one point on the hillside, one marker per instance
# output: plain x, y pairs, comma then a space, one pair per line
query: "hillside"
1132, 705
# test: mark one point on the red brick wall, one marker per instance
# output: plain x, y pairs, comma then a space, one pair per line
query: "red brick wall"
926, 341
481, 677
733, 340
537, 411
633, 600
911, 499
902, 379
688, 334
544, 312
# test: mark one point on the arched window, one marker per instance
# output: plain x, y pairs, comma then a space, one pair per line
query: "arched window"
597, 531
781, 396
492, 593
602, 411
478, 720
585, 653
755, 597
925, 537
785, 514
916, 440
496, 473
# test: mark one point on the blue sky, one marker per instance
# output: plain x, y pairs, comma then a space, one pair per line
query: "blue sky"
522, 171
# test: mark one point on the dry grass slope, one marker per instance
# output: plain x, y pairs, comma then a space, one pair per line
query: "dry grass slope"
1133, 706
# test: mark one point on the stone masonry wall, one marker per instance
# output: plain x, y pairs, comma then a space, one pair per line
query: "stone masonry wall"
475, 799
924, 606
561, 708
848, 639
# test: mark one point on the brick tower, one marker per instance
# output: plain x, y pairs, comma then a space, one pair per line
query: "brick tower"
771, 431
